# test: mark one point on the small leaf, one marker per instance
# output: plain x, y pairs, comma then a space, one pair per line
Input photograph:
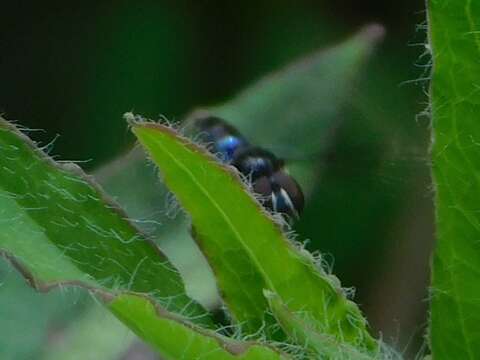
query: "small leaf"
174, 338
454, 31
57, 226
246, 249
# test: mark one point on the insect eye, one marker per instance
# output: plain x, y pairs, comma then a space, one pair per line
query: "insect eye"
227, 146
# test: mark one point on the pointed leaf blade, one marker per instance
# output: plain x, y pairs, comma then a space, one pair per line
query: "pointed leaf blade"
245, 247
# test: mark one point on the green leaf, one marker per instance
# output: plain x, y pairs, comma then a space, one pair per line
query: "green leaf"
58, 229
304, 333
245, 247
57, 226
454, 31
174, 338
148, 205
72, 255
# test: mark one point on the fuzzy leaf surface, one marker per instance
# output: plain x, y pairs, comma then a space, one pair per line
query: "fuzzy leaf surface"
245, 247
303, 332
57, 226
454, 31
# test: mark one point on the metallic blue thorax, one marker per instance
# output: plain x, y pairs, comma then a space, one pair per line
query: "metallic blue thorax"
227, 146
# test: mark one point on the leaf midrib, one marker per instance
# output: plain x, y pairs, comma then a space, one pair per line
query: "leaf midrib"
217, 206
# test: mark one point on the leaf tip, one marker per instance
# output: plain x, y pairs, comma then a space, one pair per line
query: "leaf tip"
373, 32
130, 118
134, 121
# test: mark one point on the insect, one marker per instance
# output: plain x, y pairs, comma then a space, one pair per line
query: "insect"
268, 174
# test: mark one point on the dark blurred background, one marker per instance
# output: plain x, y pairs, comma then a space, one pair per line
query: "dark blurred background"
73, 68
